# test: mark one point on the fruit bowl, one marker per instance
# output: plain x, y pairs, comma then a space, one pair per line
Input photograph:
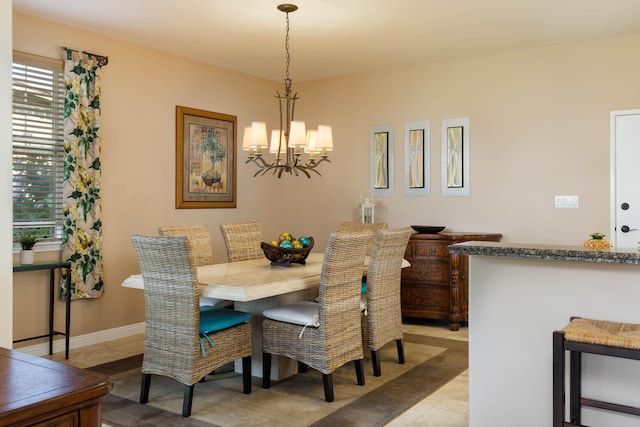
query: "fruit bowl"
284, 256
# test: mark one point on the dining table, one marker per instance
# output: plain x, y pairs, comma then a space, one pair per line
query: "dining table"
254, 286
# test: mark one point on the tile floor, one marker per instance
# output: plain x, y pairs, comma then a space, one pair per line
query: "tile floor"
447, 407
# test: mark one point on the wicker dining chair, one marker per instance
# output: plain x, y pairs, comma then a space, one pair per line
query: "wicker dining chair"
182, 340
322, 335
359, 227
242, 241
199, 237
202, 250
382, 318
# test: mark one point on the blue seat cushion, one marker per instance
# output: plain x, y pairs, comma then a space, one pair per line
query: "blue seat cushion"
214, 319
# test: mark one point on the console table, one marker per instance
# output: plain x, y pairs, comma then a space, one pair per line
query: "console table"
436, 284
39, 392
52, 267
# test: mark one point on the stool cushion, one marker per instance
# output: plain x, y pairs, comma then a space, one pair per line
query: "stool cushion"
603, 332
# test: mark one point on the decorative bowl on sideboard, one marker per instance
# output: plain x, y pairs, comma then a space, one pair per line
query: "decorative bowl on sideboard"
428, 229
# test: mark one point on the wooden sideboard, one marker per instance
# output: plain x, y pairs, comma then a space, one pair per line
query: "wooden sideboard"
436, 284
39, 392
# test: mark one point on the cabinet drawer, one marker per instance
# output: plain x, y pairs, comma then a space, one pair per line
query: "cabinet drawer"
430, 250
431, 271
425, 296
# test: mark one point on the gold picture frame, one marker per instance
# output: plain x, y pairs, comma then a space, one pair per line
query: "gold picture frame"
205, 159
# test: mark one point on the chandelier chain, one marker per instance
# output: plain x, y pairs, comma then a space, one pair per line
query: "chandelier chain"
287, 80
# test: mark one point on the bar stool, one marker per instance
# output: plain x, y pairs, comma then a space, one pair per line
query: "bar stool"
588, 336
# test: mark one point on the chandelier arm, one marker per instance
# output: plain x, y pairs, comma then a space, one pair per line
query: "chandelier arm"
313, 163
259, 161
305, 169
262, 171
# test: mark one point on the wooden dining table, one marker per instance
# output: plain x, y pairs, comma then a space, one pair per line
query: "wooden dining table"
254, 286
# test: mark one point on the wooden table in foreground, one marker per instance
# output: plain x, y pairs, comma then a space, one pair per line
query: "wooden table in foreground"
39, 392
255, 286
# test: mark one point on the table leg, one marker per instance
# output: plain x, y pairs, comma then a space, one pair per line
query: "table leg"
52, 285
67, 326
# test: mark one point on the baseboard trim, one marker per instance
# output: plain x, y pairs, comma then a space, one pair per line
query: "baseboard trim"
42, 349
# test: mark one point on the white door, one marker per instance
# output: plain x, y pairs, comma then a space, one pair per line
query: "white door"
625, 179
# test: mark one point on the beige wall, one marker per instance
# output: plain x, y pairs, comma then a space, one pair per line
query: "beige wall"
6, 278
539, 126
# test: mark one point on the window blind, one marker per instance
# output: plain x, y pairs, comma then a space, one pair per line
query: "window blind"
38, 154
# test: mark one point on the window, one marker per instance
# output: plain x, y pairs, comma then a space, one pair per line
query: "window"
38, 151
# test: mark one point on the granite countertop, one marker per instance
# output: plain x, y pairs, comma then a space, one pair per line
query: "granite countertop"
547, 252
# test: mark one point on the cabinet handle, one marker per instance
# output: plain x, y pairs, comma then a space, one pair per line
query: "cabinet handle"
424, 296
433, 250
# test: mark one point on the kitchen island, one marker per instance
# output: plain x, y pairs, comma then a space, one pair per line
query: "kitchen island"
518, 295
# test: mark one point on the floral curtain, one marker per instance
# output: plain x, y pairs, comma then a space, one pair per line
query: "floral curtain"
82, 226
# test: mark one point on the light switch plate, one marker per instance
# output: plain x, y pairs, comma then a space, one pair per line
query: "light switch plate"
567, 201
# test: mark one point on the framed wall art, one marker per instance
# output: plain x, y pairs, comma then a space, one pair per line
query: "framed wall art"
205, 159
381, 160
417, 148
455, 157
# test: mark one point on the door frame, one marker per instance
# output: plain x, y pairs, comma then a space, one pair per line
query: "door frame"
612, 168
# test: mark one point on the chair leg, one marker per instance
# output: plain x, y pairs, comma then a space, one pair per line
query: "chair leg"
246, 375
327, 381
400, 346
302, 368
359, 371
575, 386
144, 388
558, 379
187, 400
266, 370
375, 360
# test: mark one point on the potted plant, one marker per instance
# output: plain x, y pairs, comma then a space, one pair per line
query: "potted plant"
27, 240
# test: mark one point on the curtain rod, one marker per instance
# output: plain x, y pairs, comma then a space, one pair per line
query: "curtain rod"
102, 60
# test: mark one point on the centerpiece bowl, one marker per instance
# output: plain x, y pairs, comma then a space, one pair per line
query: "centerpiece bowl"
285, 256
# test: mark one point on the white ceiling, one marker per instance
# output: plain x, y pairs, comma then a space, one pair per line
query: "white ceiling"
329, 38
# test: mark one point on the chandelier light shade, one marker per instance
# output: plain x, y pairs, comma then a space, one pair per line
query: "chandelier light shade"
291, 141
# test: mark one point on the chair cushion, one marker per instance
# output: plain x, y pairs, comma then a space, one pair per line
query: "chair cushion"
303, 313
363, 303
215, 302
214, 319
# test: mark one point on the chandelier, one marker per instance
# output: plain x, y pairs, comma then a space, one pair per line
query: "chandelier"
291, 140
